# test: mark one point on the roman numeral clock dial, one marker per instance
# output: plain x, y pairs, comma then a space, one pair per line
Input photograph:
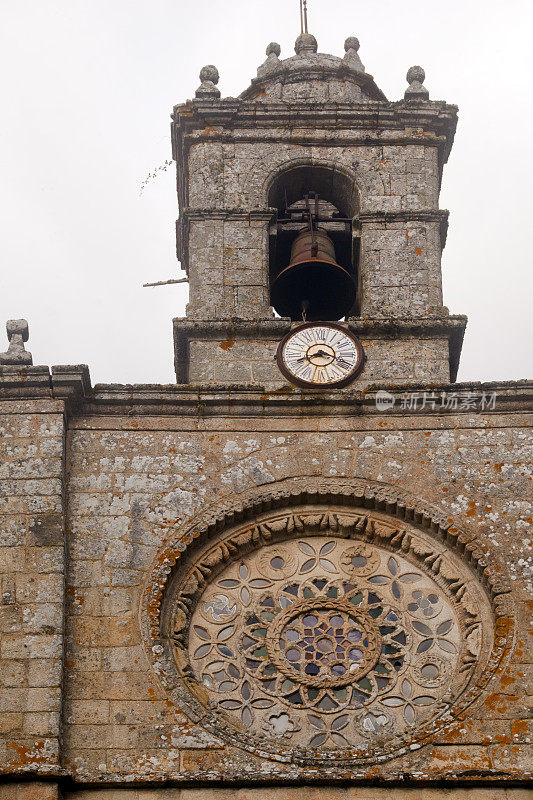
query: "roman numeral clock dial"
317, 354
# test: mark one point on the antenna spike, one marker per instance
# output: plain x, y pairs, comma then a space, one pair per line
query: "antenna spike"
305, 16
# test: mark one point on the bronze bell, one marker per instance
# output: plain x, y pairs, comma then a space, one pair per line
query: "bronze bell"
313, 282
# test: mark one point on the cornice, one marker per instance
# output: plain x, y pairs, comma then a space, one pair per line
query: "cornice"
440, 215
260, 214
266, 214
194, 113
364, 326
403, 122
71, 384
24, 382
195, 401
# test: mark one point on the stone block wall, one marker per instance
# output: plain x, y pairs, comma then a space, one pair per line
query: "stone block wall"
135, 480
134, 483
400, 272
32, 574
294, 793
229, 272
237, 175
253, 361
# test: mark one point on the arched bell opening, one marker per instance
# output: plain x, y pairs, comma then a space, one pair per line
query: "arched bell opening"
314, 245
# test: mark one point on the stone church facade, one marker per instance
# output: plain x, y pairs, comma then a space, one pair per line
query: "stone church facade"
242, 587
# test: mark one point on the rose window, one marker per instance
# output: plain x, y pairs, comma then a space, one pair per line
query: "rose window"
326, 642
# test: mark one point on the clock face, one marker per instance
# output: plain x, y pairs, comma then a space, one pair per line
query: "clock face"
318, 354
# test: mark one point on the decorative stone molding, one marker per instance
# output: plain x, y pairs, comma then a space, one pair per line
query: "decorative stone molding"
243, 581
406, 123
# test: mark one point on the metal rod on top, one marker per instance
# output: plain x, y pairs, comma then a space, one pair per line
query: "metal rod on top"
303, 16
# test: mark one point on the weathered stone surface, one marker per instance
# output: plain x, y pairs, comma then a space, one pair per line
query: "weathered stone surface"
32, 564
121, 506
137, 482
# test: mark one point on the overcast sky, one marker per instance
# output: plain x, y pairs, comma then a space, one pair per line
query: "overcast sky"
88, 89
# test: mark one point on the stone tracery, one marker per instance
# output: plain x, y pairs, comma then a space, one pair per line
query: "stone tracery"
444, 654
326, 640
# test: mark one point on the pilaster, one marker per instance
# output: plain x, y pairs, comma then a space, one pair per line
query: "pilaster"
33, 423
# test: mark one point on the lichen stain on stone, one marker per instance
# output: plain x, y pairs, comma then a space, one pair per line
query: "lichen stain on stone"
500, 702
227, 344
30, 756
472, 509
519, 727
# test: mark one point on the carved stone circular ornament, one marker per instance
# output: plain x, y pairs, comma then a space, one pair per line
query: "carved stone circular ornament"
323, 643
324, 632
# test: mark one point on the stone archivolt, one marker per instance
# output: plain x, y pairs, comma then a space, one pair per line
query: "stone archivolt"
325, 632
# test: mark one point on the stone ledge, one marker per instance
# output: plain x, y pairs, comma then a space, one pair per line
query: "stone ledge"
61, 382
24, 381
72, 383
238, 401
261, 214
192, 114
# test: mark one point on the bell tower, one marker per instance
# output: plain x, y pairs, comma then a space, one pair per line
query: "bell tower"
313, 198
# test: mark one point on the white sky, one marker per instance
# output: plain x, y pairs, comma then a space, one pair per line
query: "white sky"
88, 89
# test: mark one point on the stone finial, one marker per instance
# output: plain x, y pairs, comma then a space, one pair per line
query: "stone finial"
272, 61
17, 333
273, 49
351, 46
305, 44
209, 77
416, 89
